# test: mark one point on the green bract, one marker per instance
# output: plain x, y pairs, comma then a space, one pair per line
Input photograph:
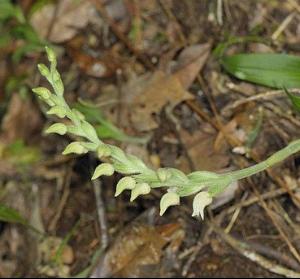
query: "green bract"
139, 178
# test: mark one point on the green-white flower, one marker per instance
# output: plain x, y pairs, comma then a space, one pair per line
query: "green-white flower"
163, 174
75, 147
201, 200
167, 200
42, 92
103, 169
103, 151
140, 189
60, 111
57, 128
125, 183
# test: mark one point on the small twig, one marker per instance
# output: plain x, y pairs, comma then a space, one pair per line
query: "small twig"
245, 249
63, 200
99, 6
235, 216
101, 213
283, 26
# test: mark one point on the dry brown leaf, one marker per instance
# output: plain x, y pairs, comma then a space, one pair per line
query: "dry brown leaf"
149, 94
22, 120
190, 61
137, 247
70, 16
201, 150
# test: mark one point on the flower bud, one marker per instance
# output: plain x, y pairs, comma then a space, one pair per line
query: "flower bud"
44, 70
51, 55
140, 189
58, 110
126, 183
201, 200
167, 200
75, 147
103, 169
163, 174
57, 128
42, 92
57, 83
103, 151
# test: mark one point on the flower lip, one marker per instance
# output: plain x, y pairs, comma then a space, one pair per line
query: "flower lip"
201, 200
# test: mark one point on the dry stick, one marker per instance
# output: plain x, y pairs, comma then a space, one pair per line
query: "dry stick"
101, 9
64, 198
245, 249
264, 196
101, 213
281, 232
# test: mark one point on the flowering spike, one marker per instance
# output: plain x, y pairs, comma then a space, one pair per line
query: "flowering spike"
201, 200
167, 200
126, 183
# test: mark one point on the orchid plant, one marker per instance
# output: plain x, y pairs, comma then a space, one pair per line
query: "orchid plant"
139, 178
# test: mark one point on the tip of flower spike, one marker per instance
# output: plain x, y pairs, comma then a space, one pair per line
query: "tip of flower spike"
50, 54
167, 200
103, 169
126, 183
140, 189
200, 201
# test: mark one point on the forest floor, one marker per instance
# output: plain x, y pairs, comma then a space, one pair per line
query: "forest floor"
147, 74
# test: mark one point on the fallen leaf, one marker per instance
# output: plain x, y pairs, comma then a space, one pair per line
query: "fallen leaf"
190, 61
202, 151
137, 251
21, 121
147, 95
70, 16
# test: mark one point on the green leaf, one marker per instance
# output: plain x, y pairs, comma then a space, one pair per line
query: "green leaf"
272, 70
11, 215
294, 99
103, 127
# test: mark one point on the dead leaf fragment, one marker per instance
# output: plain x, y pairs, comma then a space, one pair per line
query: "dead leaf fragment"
190, 61
22, 120
202, 151
147, 95
69, 17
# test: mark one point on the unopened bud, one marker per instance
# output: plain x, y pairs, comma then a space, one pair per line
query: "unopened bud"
44, 70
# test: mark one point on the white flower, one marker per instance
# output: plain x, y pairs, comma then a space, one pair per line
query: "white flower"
167, 200
201, 200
